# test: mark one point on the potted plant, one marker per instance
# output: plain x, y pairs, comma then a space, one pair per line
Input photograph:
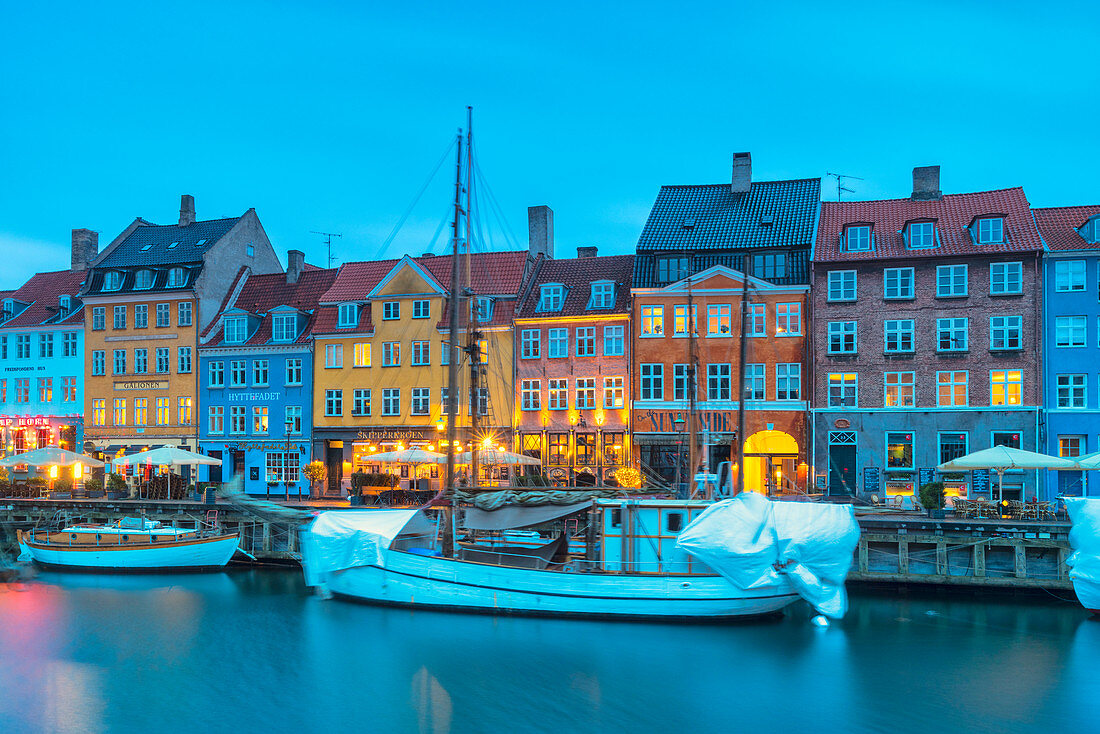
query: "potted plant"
116, 487
314, 472
5, 483
359, 480
931, 498
93, 488
37, 486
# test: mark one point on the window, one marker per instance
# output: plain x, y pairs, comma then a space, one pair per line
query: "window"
119, 362
991, 230
1070, 331
530, 344
99, 318
653, 381
788, 319
422, 309
1006, 332
3, 347
842, 337
770, 265
282, 467
653, 320
899, 450
294, 371
421, 401
236, 329
360, 355
4, 391
603, 295
259, 419
391, 310
421, 353
952, 446
754, 382
788, 381
482, 402
898, 388
842, 285
260, 372
347, 315
559, 394
842, 389
481, 309
120, 318
141, 411
236, 419
237, 376
614, 395
530, 395
176, 277
922, 235
551, 298
558, 448
1069, 275
99, 360
680, 320
162, 315
141, 316
1006, 278
162, 360
334, 402
586, 393
250, 250
719, 319
898, 283
680, 382
360, 401
613, 449
183, 412
162, 413
671, 269
898, 335
1071, 391
141, 361
586, 341
951, 335
952, 389
68, 344
143, 279
1011, 439
951, 281
614, 341
1071, 446
183, 361
558, 340
586, 448
99, 412
68, 390
45, 389
391, 401
118, 415
23, 346
112, 280
334, 356
215, 374
718, 381
391, 354
45, 346
857, 238
754, 320
293, 416
183, 313
284, 327
215, 421
23, 390
483, 351
1006, 387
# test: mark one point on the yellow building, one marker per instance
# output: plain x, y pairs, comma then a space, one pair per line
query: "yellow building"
381, 365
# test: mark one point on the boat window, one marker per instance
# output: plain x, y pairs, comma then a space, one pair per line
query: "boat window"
616, 518
152, 538
72, 535
98, 537
675, 521
125, 538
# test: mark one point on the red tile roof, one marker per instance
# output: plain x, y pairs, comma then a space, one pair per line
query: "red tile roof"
42, 292
953, 214
491, 273
261, 293
1058, 226
324, 322
577, 275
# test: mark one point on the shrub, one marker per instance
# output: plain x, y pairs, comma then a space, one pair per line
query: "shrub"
115, 483
92, 485
931, 496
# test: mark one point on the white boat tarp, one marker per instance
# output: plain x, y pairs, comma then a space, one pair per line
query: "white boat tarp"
341, 539
754, 542
1084, 537
516, 516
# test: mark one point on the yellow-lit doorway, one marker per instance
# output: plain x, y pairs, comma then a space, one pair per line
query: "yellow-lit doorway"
771, 463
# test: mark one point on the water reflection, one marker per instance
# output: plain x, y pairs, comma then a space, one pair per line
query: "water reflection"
254, 651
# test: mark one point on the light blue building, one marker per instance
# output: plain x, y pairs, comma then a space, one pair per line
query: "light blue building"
1071, 340
256, 380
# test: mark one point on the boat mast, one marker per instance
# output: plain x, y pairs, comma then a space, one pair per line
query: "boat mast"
692, 387
473, 334
741, 377
452, 354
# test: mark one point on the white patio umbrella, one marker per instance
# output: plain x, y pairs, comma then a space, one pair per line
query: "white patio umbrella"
407, 456
167, 456
496, 457
1002, 458
50, 456
1088, 461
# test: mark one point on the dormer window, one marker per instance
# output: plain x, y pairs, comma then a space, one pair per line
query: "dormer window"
551, 297
857, 238
921, 235
991, 230
672, 269
176, 277
64, 305
349, 316
143, 279
481, 309
603, 294
236, 330
284, 327
9, 308
112, 280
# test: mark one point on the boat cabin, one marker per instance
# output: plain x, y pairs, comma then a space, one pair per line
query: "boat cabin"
639, 536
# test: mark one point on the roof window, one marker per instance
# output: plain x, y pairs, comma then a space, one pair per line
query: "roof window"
920, 235
200, 243
176, 277
990, 230
146, 248
112, 280
857, 238
173, 246
64, 305
603, 294
348, 315
551, 297
143, 279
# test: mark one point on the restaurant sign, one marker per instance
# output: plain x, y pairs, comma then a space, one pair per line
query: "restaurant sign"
665, 421
141, 385
395, 434
258, 446
25, 421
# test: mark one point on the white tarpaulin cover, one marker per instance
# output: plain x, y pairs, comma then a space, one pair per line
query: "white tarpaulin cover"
754, 542
341, 539
1084, 562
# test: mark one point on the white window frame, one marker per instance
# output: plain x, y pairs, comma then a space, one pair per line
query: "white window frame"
842, 337
1064, 325
1006, 273
926, 231
952, 383
950, 326
530, 395
857, 238
1070, 276
946, 280
603, 294
903, 287
614, 340
1074, 386
1007, 329
848, 382
899, 382
842, 286
391, 310
896, 329
1004, 385
788, 381
551, 297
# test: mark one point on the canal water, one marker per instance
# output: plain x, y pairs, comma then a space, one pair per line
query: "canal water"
253, 651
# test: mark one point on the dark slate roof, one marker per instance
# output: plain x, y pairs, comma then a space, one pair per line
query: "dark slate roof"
577, 275
42, 292
261, 293
129, 252
1058, 226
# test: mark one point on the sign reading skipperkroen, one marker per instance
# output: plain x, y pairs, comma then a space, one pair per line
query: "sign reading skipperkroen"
141, 385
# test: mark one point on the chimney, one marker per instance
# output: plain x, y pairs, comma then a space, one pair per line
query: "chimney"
187, 210
926, 183
586, 251
85, 248
742, 173
540, 230
295, 262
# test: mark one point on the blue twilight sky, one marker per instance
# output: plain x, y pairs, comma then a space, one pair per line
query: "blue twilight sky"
330, 116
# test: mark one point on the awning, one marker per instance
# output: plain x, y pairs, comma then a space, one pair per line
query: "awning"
509, 518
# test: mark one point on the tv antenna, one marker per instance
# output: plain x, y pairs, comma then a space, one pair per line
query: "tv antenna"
840, 188
328, 242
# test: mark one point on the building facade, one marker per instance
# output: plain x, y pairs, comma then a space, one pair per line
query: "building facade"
256, 380
1071, 347
572, 387
926, 339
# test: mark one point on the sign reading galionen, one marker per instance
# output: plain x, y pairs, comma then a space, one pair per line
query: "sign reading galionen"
141, 385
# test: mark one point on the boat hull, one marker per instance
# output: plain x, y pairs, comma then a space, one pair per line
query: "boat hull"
442, 583
191, 555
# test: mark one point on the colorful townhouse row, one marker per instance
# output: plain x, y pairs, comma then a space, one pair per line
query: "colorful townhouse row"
858, 344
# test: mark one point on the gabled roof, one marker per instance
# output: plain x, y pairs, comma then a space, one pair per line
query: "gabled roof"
262, 293
953, 213
577, 275
699, 281
42, 292
491, 273
129, 252
1058, 226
